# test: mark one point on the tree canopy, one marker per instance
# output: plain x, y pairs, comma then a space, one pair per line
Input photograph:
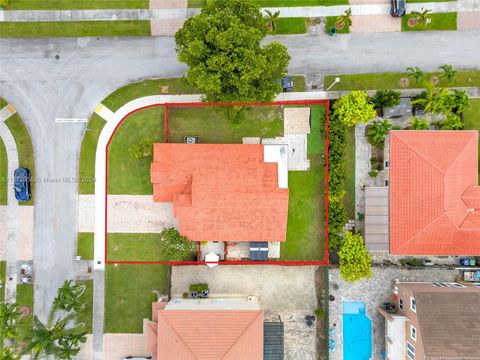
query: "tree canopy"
222, 48
175, 247
355, 262
354, 108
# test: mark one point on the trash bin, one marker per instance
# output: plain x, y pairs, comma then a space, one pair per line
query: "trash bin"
332, 31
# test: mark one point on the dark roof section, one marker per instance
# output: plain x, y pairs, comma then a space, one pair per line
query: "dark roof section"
449, 323
273, 341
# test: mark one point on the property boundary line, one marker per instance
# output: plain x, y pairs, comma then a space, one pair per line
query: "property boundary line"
166, 107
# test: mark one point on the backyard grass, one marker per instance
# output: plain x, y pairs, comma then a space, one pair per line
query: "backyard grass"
132, 91
75, 28
127, 175
392, 80
25, 149
75, 4
213, 128
86, 315
306, 204
283, 3
440, 21
3, 276
25, 297
3, 174
85, 245
129, 295
88, 150
331, 20
349, 198
290, 26
472, 120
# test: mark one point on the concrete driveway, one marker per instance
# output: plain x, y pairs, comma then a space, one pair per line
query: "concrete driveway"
24, 233
285, 293
116, 346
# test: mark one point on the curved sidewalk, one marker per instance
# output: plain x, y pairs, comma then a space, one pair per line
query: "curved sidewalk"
12, 208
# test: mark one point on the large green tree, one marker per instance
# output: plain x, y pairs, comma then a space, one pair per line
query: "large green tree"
355, 262
175, 247
222, 48
354, 108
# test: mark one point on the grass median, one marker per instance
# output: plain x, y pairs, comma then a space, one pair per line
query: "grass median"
76, 4
3, 174
439, 21
75, 28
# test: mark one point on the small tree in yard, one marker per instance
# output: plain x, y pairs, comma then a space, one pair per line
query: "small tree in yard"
175, 247
386, 98
449, 73
452, 122
272, 18
461, 101
377, 131
3, 3
222, 47
418, 124
355, 262
423, 16
346, 18
354, 108
416, 73
141, 150
435, 100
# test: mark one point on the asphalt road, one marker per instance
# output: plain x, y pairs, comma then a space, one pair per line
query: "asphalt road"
43, 88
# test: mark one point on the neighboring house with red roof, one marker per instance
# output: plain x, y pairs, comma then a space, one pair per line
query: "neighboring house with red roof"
433, 194
209, 329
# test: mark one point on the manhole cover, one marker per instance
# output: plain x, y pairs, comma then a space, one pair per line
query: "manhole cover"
57, 57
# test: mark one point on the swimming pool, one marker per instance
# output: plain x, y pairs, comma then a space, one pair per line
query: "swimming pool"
357, 332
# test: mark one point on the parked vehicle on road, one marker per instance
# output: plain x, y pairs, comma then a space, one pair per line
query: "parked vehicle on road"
398, 8
21, 184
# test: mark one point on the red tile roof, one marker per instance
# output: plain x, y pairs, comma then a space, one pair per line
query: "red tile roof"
434, 193
221, 192
206, 335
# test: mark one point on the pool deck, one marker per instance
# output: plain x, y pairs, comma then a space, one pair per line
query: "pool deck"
373, 292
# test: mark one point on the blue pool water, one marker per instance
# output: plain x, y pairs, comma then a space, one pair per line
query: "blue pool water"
357, 332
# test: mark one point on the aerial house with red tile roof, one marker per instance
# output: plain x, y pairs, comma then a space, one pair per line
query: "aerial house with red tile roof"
433, 194
225, 193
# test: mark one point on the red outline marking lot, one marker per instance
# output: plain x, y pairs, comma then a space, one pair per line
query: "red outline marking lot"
166, 106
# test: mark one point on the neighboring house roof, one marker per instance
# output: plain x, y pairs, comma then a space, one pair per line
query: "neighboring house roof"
221, 192
434, 193
206, 335
449, 325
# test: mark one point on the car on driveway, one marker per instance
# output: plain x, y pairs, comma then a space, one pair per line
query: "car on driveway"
21, 184
398, 8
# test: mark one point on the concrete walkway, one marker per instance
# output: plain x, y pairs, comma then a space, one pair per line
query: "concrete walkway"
12, 208
183, 13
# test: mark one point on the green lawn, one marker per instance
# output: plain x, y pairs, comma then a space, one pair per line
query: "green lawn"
127, 175
86, 315
76, 4
212, 127
306, 205
129, 297
299, 83
25, 297
75, 28
349, 198
472, 120
290, 26
85, 245
3, 174
283, 3
391, 80
25, 149
145, 88
88, 150
331, 20
3, 276
440, 21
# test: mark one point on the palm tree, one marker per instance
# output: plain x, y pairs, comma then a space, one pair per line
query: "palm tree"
418, 124
377, 131
68, 296
422, 17
9, 317
416, 73
271, 18
435, 100
449, 73
346, 18
461, 101
141, 150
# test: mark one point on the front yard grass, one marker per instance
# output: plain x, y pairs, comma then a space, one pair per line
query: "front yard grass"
392, 80
88, 151
86, 315
282, 3
3, 277
306, 204
331, 20
75, 28
25, 297
25, 149
3, 174
290, 26
349, 198
129, 295
127, 175
85, 245
440, 21
213, 128
76, 4
472, 120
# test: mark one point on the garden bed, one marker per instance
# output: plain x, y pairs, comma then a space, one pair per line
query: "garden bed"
439, 21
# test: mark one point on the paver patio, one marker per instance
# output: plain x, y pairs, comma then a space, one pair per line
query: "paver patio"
375, 23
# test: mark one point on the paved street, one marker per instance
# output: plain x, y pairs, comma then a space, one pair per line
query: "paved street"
43, 88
